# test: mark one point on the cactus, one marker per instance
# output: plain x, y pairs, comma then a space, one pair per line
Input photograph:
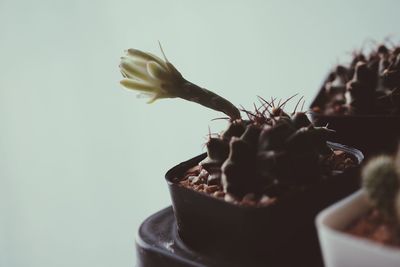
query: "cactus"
360, 90
269, 153
369, 85
157, 78
280, 152
380, 180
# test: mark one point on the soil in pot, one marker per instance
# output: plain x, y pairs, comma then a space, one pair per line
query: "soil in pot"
196, 178
376, 227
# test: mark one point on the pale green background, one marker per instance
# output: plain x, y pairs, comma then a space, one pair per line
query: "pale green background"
82, 159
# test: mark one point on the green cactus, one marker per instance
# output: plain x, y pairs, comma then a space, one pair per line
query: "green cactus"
380, 179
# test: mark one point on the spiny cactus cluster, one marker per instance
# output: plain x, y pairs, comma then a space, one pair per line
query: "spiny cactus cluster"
381, 181
369, 85
267, 154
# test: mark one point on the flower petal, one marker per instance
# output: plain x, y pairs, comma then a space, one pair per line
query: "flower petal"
133, 69
152, 100
145, 56
145, 95
156, 71
140, 86
159, 96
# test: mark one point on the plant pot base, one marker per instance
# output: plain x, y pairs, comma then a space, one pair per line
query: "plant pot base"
158, 244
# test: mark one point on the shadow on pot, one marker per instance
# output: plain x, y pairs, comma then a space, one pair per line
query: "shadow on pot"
372, 134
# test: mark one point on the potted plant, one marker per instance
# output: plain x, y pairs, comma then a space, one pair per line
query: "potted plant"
364, 228
361, 101
261, 182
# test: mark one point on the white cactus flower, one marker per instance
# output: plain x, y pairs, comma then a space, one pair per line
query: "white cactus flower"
150, 75
158, 78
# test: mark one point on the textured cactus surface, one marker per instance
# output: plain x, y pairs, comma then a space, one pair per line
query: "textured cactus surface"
267, 154
370, 84
380, 179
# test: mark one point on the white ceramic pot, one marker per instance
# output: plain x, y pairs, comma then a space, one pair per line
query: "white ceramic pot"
340, 249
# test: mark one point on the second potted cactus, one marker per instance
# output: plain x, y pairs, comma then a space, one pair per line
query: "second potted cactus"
363, 229
361, 101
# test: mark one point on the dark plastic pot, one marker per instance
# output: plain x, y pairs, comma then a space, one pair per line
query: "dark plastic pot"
221, 229
372, 134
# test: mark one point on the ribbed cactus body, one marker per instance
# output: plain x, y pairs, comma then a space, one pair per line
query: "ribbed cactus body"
250, 157
368, 85
360, 89
218, 151
391, 75
239, 170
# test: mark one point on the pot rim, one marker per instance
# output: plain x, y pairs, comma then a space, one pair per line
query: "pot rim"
333, 229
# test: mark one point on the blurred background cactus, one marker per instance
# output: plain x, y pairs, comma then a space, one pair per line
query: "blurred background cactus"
370, 84
381, 180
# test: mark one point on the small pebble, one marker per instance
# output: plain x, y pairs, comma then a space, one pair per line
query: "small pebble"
196, 180
382, 234
339, 153
362, 228
191, 178
317, 109
212, 188
199, 187
203, 174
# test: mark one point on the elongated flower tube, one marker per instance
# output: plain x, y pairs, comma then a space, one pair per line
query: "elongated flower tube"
158, 78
